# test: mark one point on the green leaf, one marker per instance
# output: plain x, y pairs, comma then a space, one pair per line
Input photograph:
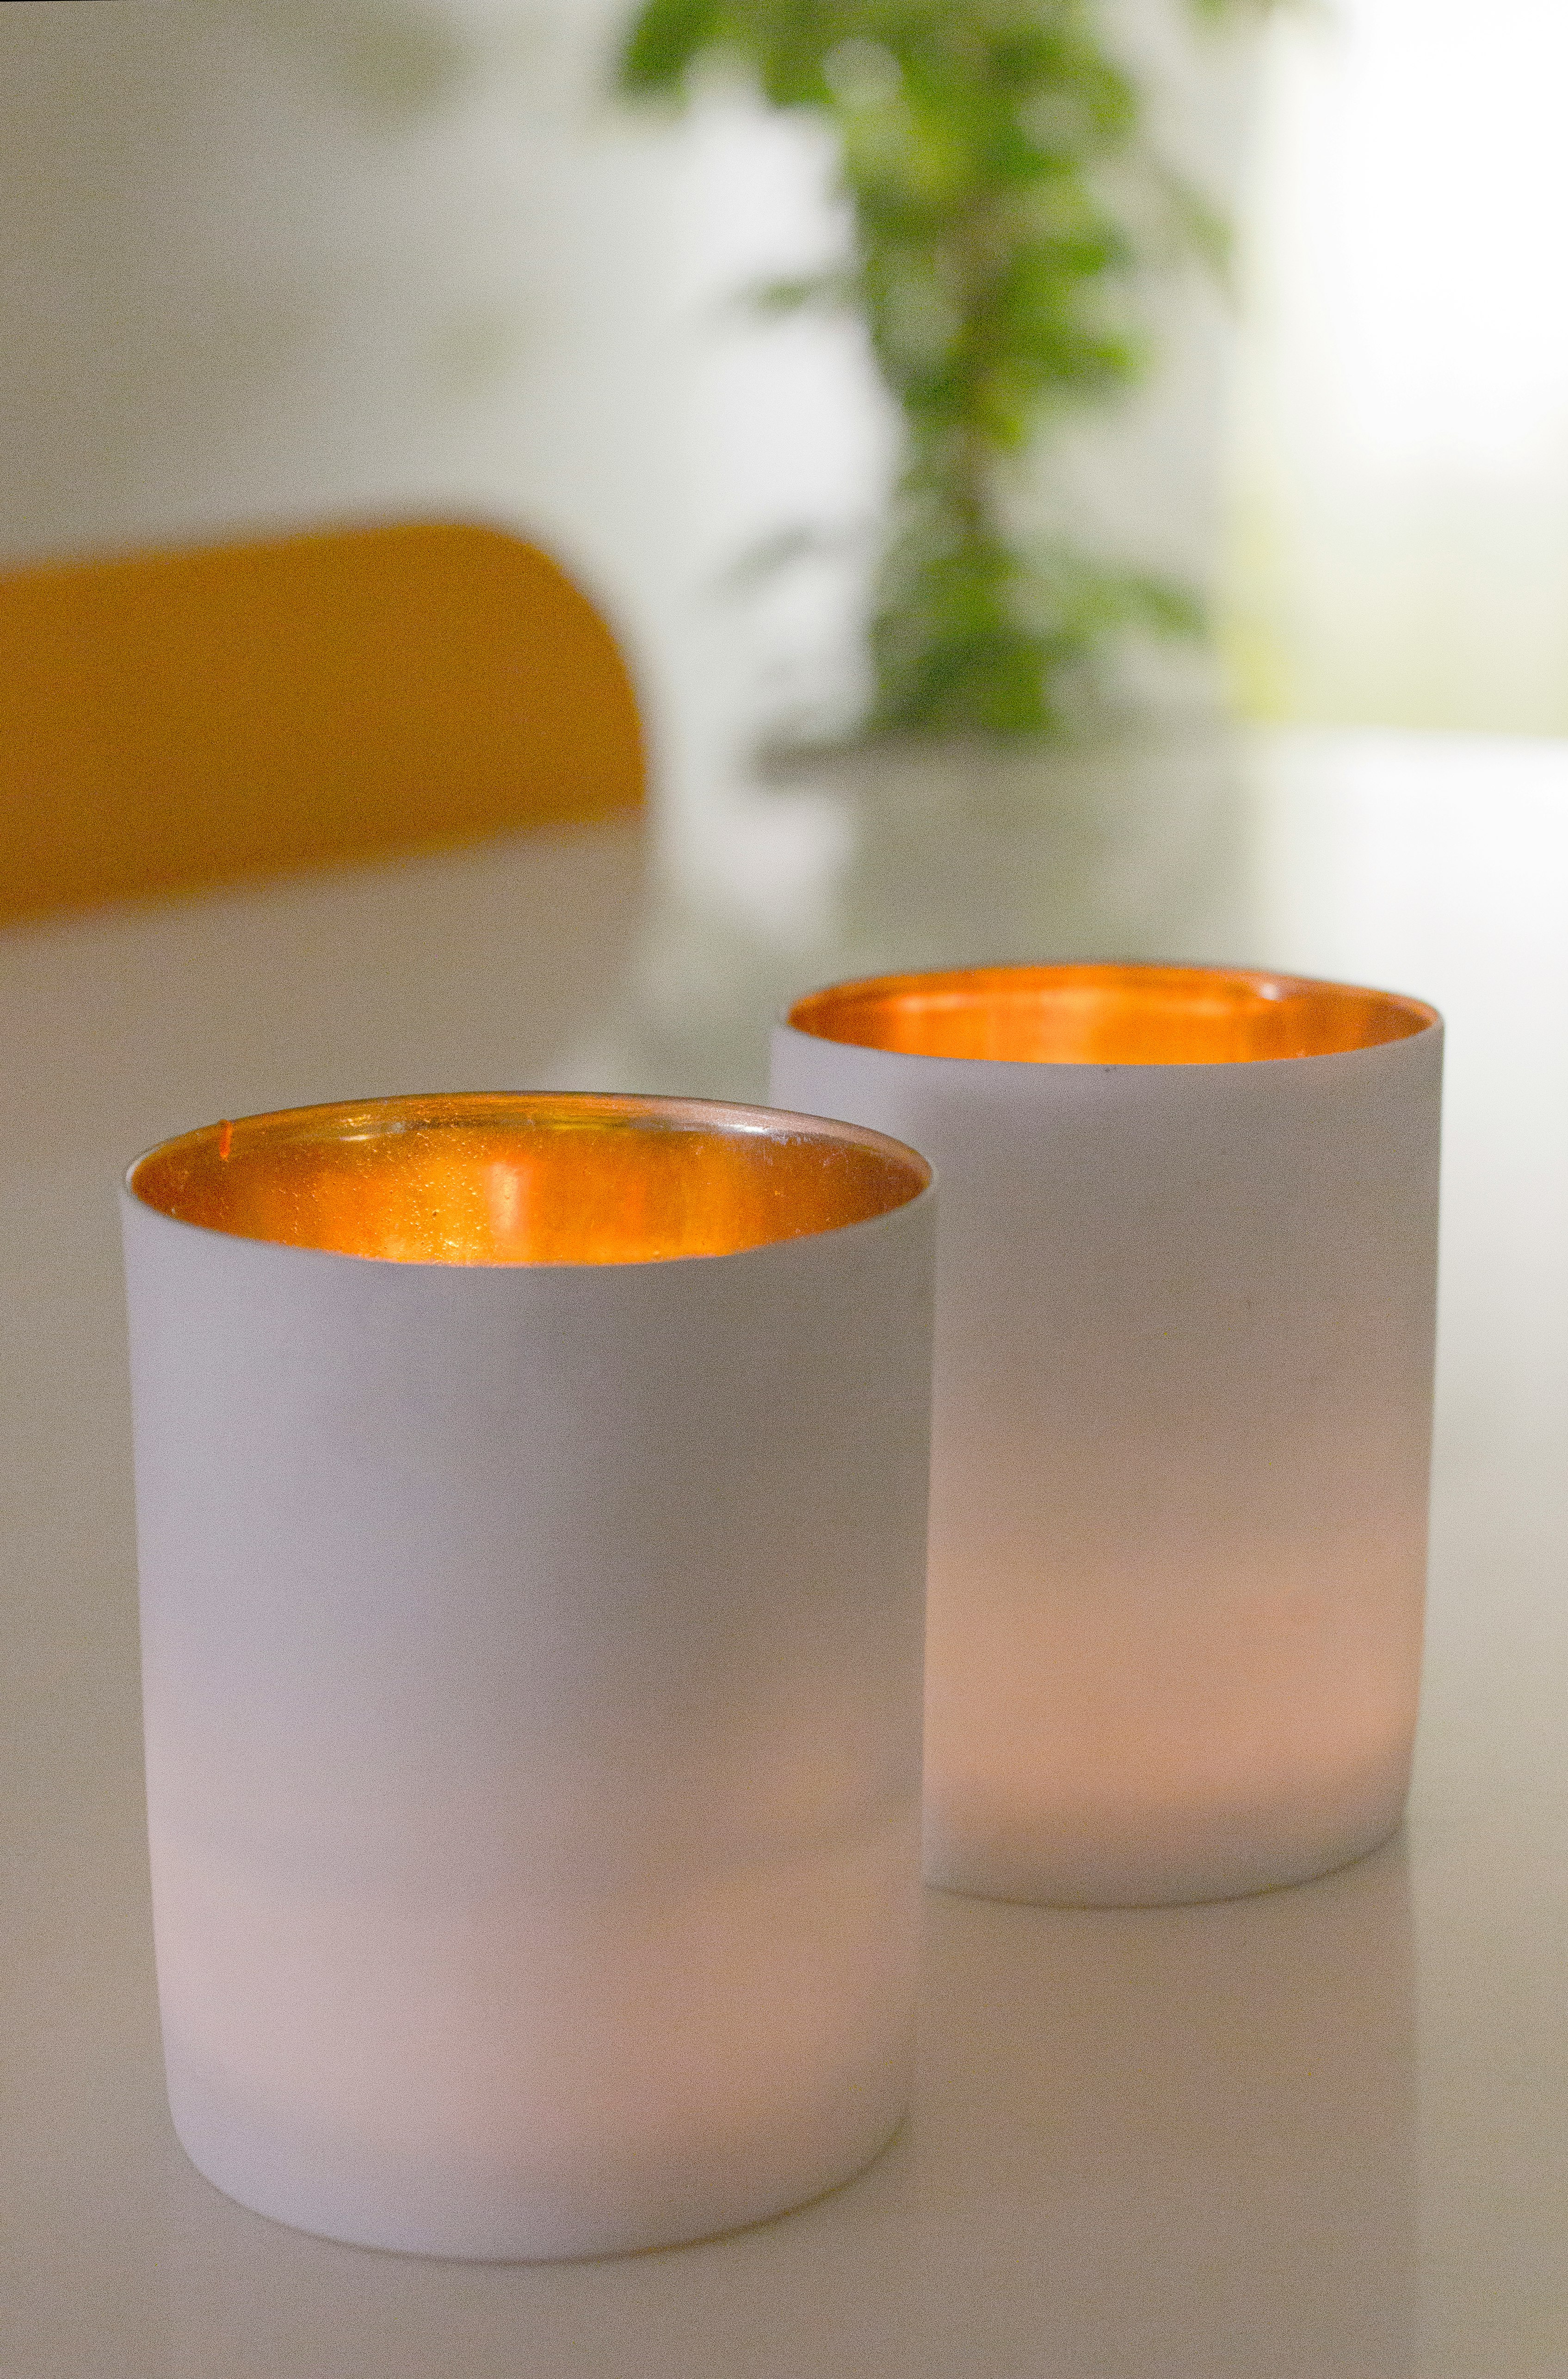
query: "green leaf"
805, 293
665, 42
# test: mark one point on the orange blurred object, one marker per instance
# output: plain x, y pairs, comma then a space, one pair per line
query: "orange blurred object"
517, 1179
1099, 1014
171, 719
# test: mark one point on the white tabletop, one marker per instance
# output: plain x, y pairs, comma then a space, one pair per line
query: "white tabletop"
1321, 2134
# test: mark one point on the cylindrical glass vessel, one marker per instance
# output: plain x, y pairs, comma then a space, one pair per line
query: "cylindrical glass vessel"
531, 1501
1186, 1291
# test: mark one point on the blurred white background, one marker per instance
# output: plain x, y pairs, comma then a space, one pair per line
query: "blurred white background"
265, 261
1400, 531
268, 261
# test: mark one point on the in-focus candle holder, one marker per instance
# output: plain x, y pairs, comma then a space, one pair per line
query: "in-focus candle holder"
1185, 1290
531, 1503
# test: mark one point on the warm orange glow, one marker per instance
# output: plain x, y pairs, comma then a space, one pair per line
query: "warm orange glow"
525, 1179
1109, 1015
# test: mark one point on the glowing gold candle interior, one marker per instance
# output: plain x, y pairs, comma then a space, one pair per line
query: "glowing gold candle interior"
521, 1178
1109, 1015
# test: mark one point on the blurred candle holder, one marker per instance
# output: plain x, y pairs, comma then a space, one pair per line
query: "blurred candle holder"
1185, 1298
531, 1504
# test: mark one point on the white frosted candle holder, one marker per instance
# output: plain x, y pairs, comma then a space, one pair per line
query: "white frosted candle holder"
1185, 1290
531, 1501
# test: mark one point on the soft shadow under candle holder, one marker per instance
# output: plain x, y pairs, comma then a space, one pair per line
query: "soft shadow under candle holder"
1185, 1293
531, 1504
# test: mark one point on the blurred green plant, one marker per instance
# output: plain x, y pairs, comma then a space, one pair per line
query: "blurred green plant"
1005, 196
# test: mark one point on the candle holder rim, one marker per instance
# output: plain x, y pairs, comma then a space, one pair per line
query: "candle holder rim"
1427, 1018
653, 1110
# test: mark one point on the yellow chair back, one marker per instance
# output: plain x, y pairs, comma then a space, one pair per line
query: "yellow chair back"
172, 719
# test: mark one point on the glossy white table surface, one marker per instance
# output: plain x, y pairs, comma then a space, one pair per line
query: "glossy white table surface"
1321, 2134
